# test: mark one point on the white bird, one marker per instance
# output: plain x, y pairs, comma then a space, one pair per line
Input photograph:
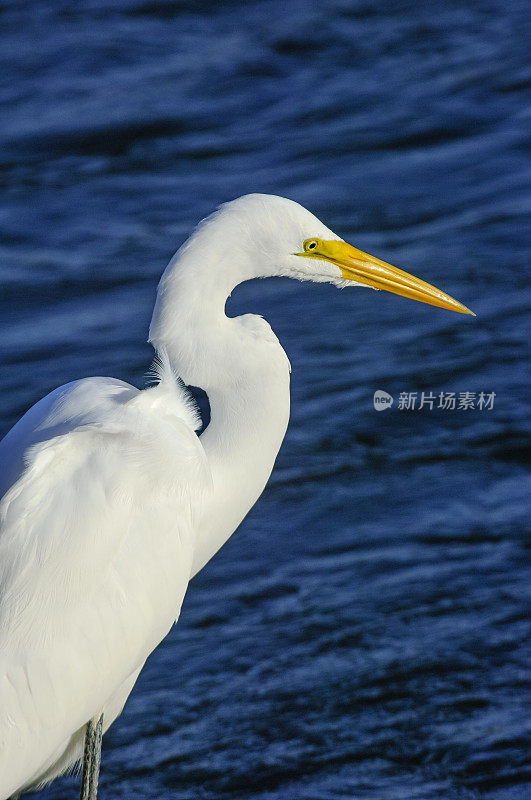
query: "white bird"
111, 502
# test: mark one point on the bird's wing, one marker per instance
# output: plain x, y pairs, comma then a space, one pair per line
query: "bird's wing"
96, 544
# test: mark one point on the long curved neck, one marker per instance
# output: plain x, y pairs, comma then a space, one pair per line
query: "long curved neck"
249, 418
245, 372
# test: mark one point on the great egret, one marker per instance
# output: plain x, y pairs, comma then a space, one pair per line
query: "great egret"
112, 502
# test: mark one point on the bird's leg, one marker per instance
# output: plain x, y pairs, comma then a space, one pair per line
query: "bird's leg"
97, 759
87, 760
91, 759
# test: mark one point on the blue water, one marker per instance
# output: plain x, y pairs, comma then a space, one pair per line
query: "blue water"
363, 635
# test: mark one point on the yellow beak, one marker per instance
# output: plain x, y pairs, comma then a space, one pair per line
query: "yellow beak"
355, 265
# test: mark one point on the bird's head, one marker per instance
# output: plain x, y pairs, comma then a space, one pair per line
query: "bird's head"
276, 236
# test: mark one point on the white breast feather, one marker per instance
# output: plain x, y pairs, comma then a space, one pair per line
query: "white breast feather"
83, 530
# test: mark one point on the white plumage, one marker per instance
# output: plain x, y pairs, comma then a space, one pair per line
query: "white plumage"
111, 502
92, 576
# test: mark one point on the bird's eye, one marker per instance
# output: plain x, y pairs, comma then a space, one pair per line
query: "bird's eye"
310, 244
